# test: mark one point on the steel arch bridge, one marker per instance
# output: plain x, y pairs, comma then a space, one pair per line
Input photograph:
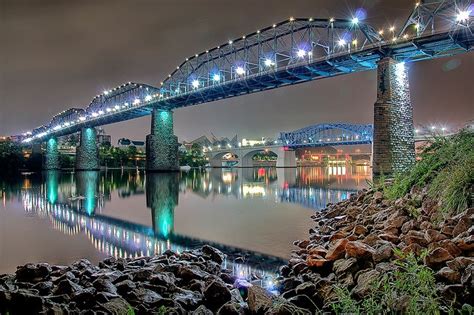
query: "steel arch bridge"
327, 135
293, 51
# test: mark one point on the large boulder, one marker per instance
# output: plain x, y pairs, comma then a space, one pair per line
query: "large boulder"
437, 257
359, 250
216, 294
259, 300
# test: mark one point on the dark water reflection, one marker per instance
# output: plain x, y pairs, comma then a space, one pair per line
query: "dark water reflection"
251, 214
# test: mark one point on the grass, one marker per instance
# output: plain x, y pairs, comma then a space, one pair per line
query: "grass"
446, 168
409, 290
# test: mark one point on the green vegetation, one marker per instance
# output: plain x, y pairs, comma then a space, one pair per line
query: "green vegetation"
265, 156
110, 156
11, 157
446, 168
411, 289
194, 157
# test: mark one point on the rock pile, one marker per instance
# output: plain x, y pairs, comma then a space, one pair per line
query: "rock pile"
191, 282
353, 244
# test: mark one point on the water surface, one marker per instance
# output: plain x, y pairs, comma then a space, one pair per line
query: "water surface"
59, 217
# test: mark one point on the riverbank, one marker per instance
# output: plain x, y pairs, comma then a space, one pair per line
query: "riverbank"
401, 246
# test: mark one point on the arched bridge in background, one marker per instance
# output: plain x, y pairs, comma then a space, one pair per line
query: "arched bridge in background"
293, 51
320, 135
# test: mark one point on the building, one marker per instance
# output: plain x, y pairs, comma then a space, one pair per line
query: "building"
126, 143
103, 138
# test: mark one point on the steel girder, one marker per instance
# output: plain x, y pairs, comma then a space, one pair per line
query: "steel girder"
328, 134
286, 53
432, 16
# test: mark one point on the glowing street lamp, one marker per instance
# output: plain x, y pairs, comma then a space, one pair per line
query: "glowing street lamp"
355, 20
240, 70
195, 84
342, 42
301, 53
216, 77
148, 98
269, 62
463, 16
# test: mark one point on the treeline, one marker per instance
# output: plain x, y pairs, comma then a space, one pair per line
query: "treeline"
13, 159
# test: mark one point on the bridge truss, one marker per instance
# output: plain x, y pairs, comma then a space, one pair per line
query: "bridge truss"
328, 134
290, 52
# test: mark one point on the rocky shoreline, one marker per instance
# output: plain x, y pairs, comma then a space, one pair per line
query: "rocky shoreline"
358, 241
354, 244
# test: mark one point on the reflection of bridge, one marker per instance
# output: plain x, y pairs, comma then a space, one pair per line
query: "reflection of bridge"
290, 52
121, 238
73, 203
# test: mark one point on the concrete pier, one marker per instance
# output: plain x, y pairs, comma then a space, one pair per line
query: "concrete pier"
162, 144
87, 153
51, 157
394, 142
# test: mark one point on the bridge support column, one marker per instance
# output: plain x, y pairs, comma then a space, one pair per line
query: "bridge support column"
162, 144
286, 158
51, 160
394, 143
87, 153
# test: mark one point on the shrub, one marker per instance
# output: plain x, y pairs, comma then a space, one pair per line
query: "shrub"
446, 168
411, 289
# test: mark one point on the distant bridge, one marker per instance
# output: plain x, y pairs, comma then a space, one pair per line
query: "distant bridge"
293, 51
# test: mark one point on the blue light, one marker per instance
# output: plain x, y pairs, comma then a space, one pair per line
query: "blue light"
216, 77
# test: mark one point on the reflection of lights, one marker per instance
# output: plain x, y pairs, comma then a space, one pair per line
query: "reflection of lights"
227, 178
249, 190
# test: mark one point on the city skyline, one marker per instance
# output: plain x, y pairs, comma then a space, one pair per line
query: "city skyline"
100, 56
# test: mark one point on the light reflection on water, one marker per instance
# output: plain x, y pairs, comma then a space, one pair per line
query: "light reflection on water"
97, 205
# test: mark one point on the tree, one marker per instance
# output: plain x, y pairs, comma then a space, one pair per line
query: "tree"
11, 157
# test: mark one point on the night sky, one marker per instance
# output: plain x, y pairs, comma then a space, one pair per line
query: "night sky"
60, 54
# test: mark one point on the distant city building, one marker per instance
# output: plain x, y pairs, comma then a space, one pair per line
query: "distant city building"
4, 138
125, 143
103, 138
204, 142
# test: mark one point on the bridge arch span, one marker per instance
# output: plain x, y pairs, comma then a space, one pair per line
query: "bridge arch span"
247, 158
215, 160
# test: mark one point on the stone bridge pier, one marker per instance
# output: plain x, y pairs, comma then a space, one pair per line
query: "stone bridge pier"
394, 141
87, 153
51, 158
162, 144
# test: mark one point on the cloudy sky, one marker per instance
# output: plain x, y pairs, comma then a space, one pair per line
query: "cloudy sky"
57, 54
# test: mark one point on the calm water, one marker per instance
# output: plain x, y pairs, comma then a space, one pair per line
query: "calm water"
252, 213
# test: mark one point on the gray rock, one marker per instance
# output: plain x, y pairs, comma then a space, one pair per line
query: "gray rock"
33, 273
117, 306
213, 253
67, 287
304, 302
202, 310
365, 281
259, 300
104, 285
216, 294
